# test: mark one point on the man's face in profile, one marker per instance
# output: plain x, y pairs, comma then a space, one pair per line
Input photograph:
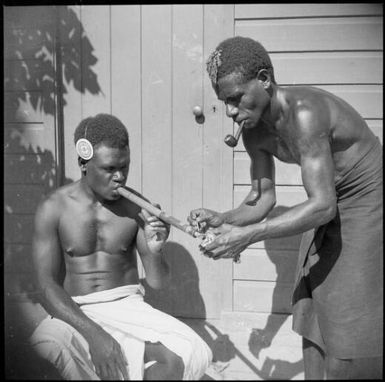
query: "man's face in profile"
108, 170
244, 100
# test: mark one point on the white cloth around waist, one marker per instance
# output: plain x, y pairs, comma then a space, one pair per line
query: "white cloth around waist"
123, 313
109, 295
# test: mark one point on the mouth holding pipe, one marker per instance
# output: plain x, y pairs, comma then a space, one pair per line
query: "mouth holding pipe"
232, 140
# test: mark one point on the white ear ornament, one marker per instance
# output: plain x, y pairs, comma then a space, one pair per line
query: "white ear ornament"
84, 149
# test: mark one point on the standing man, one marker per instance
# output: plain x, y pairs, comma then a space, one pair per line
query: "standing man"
84, 249
338, 294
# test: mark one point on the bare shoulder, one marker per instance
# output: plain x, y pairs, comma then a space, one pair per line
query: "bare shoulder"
309, 111
319, 116
51, 205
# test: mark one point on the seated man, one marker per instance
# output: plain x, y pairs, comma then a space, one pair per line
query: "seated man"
99, 326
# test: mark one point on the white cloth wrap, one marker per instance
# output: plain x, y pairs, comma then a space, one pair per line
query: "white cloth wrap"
122, 313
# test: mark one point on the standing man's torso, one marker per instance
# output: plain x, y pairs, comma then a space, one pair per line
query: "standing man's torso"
348, 134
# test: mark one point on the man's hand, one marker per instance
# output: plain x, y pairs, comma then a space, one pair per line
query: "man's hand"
228, 242
202, 218
107, 356
155, 230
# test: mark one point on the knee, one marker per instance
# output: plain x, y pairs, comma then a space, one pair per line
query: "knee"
175, 366
49, 350
338, 368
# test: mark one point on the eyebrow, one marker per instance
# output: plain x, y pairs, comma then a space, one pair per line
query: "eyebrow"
233, 96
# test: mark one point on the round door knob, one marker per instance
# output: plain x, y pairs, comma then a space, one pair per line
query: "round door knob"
197, 111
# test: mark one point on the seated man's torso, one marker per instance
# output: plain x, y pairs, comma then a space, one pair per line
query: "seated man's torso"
97, 242
348, 134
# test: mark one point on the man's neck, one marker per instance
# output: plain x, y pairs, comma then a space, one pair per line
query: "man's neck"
89, 194
272, 112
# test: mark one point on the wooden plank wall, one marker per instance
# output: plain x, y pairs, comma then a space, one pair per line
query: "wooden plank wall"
144, 64
31, 163
148, 62
337, 47
30, 141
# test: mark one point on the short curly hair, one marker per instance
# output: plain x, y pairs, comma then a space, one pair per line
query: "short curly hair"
103, 129
241, 55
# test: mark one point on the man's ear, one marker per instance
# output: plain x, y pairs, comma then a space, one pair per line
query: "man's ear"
82, 164
264, 76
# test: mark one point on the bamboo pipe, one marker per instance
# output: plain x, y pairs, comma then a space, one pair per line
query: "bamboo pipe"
157, 212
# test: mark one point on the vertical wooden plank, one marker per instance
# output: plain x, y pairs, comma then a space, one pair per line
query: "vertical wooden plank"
126, 81
156, 104
189, 292
217, 157
96, 24
72, 78
156, 122
156, 145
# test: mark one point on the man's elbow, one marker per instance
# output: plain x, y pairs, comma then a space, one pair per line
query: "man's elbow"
159, 284
327, 211
160, 281
272, 201
44, 286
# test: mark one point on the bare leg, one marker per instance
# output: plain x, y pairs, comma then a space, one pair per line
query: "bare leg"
168, 365
314, 360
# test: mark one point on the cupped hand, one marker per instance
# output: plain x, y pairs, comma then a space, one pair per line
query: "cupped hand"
228, 242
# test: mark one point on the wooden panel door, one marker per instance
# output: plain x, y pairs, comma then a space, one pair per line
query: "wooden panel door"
185, 163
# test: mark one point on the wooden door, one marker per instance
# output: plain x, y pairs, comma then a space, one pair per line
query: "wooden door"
185, 163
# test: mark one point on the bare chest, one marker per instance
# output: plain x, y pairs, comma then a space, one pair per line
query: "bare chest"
280, 148
87, 232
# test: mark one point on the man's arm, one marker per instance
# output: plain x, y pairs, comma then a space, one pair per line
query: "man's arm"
311, 140
57, 302
150, 239
317, 170
261, 198
257, 204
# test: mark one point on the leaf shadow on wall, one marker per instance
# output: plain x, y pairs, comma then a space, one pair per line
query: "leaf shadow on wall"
30, 80
33, 97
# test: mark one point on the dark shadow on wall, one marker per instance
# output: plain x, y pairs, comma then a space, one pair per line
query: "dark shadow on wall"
182, 299
34, 95
319, 248
261, 338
